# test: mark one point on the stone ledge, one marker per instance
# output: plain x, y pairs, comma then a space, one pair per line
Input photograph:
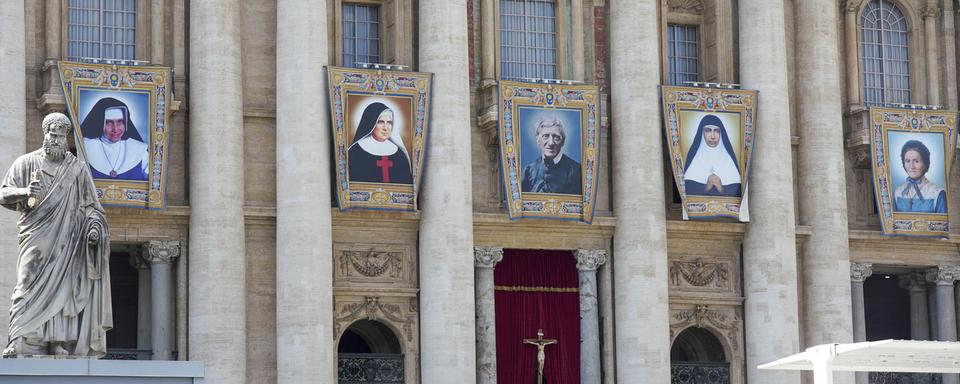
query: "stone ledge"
70, 371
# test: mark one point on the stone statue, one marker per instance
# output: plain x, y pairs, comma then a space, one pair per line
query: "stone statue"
61, 304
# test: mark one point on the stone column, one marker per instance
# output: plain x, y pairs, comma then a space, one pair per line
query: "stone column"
944, 277
446, 225
851, 47
13, 131
588, 260
932, 311
916, 283
769, 244
930, 15
141, 262
950, 52
162, 254
157, 35
641, 307
488, 42
217, 299
485, 259
858, 273
822, 187
305, 339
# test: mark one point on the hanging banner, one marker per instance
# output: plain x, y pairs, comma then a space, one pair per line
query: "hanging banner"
710, 136
121, 117
549, 149
380, 124
911, 152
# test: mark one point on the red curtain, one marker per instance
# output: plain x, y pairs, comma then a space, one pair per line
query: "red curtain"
537, 289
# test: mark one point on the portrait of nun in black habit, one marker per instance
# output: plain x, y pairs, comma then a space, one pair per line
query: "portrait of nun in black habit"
113, 145
711, 168
377, 154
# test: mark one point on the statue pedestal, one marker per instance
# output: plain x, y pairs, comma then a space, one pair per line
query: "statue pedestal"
90, 371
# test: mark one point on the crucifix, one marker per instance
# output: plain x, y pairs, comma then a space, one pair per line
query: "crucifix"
385, 164
540, 342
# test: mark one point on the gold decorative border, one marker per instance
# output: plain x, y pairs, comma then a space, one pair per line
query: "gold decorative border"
741, 101
416, 85
884, 120
150, 194
586, 98
517, 288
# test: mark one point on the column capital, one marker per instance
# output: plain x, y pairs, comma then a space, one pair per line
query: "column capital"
915, 281
161, 252
590, 259
852, 6
944, 274
487, 257
860, 271
139, 261
931, 11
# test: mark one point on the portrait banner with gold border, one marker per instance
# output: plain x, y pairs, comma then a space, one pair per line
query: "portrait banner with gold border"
380, 124
121, 118
911, 152
710, 137
550, 149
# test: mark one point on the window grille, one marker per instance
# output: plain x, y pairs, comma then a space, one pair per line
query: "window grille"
886, 55
361, 34
683, 57
528, 39
104, 29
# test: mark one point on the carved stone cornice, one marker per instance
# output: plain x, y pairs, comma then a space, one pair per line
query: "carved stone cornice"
944, 274
698, 273
914, 281
860, 271
487, 257
686, 6
162, 252
590, 259
701, 316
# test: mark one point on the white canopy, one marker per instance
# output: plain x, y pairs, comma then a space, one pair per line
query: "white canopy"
874, 356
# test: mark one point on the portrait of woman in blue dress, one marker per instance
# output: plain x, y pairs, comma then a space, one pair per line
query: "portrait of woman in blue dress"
917, 193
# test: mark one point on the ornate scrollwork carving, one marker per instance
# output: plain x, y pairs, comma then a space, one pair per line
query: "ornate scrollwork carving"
590, 259
944, 274
372, 309
701, 316
371, 263
698, 273
487, 257
686, 6
860, 271
163, 251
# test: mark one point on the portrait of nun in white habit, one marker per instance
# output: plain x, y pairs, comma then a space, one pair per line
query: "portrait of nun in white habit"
711, 168
377, 154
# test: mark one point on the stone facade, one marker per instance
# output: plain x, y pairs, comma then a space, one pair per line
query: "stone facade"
246, 246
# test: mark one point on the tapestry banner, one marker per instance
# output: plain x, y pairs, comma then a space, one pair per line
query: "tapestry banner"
380, 125
911, 152
550, 149
121, 118
710, 135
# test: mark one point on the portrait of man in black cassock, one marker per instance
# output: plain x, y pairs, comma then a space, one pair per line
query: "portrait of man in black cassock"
711, 168
552, 171
114, 147
377, 154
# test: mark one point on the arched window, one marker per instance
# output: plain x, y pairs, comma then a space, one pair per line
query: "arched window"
885, 54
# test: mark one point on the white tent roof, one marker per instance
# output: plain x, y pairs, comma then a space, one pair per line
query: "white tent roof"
878, 356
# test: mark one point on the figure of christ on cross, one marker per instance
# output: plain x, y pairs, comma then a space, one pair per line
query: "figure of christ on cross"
384, 164
541, 343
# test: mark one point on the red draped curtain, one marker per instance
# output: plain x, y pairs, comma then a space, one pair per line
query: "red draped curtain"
537, 289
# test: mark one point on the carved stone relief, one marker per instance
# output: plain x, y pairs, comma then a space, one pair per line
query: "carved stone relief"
686, 6
399, 311
700, 274
366, 264
726, 321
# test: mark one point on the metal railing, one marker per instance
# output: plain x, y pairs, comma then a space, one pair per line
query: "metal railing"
128, 354
364, 368
699, 373
904, 378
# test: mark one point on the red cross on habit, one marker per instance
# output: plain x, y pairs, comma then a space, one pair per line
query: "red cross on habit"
384, 164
